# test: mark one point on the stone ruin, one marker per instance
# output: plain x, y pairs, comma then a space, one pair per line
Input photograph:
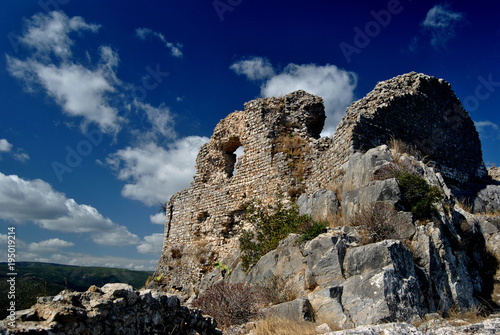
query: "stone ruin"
428, 267
284, 153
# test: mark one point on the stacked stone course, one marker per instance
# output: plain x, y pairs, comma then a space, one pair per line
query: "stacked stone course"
203, 221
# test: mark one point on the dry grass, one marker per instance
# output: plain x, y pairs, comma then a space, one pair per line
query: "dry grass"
472, 315
465, 204
278, 326
337, 219
382, 221
400, 147
275, 290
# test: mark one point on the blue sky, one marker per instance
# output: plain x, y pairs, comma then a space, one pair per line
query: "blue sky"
104, 104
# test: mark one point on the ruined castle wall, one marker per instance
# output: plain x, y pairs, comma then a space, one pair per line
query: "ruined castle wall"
203, 221
419, 110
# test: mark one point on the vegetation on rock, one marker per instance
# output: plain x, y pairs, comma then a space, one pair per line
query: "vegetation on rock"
420, 197
273, 224
381, 220
228, 303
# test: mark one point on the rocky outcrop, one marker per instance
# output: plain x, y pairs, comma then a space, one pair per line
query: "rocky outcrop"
322, 205
487, 327
112, 309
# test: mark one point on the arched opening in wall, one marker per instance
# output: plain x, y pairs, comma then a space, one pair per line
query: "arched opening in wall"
232, 150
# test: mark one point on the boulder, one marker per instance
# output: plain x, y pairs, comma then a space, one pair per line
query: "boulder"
381, 284
447, 277
487, 200
376, 191
486, 327
297, 310
322, 205
360, 168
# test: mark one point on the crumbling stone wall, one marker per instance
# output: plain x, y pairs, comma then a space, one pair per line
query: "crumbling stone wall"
112, 309
204, 220
420, 110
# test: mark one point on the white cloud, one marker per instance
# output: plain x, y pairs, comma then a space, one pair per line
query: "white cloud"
21, 156
49, 251
151, 244
79, 90
158, 218
52, 245
49, 33
18, 154
154, 173
441, 22
175, 49
5, 146
255, 68
487, 129
160, 118
35, 200
336, 86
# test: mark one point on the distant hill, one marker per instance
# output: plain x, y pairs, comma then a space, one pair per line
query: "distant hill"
45, 279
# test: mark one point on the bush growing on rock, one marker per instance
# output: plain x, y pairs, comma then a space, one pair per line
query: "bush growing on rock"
381, 220
275, 290
419, 195
273, 224
228, 303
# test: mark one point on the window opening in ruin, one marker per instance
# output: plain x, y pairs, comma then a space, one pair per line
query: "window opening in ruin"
238, 152
232, 151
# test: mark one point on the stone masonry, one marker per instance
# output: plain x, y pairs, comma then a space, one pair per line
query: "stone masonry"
283, 153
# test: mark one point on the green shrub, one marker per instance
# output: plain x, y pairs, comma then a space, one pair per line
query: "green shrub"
419, 195
272, 224
311, 230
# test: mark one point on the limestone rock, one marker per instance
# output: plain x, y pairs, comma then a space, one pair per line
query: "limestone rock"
387, 191
322, 205
297, 310
112, 309
487, 327
360, 168
488, 200
381, 284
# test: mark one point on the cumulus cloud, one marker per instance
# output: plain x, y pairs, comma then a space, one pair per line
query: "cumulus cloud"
175, 49
49, 246
154, 173
161, 120
18, 154
158, 218
79, 90
487, 129
5, 146
336, 86
151, 244
255, 68
442, 23
35, 200
48, 34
